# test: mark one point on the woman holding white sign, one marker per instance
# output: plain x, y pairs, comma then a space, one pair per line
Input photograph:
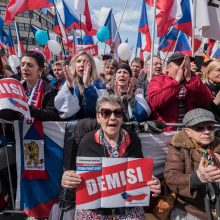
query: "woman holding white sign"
111, 140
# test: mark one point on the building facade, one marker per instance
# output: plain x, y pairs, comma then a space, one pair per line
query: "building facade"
25, 20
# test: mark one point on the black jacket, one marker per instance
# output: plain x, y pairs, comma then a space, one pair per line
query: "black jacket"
93, 149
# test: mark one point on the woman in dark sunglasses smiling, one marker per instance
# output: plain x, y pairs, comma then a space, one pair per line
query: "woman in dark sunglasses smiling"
192, 170
111, 140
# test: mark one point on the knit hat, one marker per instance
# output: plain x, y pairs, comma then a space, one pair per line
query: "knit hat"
197, 116
126, 67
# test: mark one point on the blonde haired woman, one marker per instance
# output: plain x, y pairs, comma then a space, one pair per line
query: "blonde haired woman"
211, 77
77, 98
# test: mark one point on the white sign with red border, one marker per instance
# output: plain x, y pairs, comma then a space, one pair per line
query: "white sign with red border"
12, 96
113, 182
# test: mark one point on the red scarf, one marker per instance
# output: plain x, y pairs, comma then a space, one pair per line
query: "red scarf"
34, 158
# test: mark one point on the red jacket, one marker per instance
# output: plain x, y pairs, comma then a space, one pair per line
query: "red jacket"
163, 97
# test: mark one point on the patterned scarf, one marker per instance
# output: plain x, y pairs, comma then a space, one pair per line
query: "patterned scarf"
207, 153
121, 144
34, 158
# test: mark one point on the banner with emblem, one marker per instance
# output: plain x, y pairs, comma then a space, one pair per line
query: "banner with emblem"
113, 182
37, 196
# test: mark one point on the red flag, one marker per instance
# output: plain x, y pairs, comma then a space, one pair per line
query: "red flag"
15, 7
47, 53
211, 44
169, 12
83, 7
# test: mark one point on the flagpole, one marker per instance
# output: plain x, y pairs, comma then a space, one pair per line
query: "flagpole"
104, 48
125, 6
136, 51
153, 39
193, 27
27, 40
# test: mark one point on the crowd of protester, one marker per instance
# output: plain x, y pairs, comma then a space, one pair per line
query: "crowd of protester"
177, 92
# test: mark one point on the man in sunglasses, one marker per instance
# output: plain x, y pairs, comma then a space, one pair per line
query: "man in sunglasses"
192, 170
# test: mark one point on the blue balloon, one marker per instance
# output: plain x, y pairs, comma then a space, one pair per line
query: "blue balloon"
103, 34
41, 37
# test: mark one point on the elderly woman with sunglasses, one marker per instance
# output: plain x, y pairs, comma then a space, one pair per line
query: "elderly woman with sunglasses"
192, 169
77, 97
111, 140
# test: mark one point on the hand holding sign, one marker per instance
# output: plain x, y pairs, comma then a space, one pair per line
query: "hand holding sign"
70, 179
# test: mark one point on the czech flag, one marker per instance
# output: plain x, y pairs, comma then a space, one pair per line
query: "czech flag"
182, 44
184, 24
169, 12
139, 45
111, 25
144, 28
36, 197
15, 7
168, 41
216, 54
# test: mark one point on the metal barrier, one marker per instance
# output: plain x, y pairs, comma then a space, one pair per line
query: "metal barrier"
146, 140
9, 151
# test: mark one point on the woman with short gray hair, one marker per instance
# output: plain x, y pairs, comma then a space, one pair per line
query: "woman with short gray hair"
111, 140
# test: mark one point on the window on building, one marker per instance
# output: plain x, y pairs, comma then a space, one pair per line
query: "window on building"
44, 22
36, 17
26, 14
26, 27
50, 26
21, 26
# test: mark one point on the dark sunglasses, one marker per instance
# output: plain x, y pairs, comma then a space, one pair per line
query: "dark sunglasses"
106, 113
202, 128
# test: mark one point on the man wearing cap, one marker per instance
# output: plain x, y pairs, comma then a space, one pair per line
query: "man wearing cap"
192, 170
173, 94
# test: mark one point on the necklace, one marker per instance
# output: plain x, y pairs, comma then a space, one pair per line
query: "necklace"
112, 152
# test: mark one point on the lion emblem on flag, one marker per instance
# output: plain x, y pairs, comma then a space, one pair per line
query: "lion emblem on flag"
31, 154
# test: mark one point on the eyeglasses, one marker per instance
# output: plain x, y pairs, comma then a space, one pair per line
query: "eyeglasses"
202, 128
106, 113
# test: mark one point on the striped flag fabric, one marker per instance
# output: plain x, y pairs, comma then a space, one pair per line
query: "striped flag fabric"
36, 197
144, 27
15, 7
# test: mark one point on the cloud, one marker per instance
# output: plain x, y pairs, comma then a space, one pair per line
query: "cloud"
101, 15
128, 27
129, 15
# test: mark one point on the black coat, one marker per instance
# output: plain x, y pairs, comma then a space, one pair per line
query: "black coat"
88, 147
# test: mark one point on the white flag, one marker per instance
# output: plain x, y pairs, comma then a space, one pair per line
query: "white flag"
208, 18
